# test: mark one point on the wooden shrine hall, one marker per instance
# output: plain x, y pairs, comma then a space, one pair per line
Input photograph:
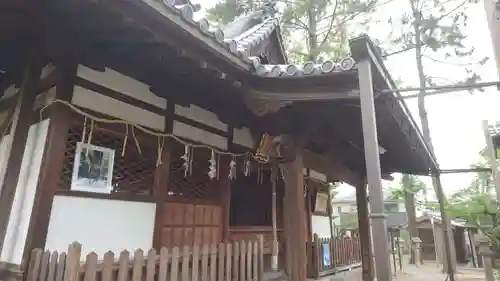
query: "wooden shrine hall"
129, 125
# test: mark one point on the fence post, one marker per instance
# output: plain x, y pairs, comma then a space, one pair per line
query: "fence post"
260, 237
487, 256
416, 247
317, 257
73, 262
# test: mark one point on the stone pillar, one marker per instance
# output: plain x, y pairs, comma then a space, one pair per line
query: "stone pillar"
415, 241
487, 255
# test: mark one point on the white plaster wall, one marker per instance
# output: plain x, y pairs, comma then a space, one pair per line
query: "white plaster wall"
100, 225
243, 137
123, 84
196, 134
201, 115
320, 225
104, 104
17, 229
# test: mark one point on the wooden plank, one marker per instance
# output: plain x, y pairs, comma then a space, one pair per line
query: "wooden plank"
213, 262
242, 261
163, 266
261, 257
138, 264
255, 260
204, 263
90, 273
51, 276
61, 267
221, 251
236, 258
123, 274
228, 261
151, 265
196, 262
186, 256
249, 260
44, 266
107, 269
174, 270
73, 262
34, 265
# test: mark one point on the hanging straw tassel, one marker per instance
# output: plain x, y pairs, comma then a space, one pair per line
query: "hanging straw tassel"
161, 143
125, 140
136, 141
84, 131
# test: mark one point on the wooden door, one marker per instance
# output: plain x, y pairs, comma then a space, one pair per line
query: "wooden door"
188, 224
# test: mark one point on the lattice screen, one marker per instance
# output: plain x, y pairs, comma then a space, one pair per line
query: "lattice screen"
133, 172
197, 184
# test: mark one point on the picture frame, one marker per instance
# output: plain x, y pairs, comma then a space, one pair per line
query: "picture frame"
93, 168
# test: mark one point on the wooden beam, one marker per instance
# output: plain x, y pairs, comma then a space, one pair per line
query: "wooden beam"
364, 233
161, 179
52, 161
295, 206
19, 132
225, 187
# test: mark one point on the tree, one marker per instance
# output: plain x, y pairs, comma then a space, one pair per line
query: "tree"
312, 29
409, 187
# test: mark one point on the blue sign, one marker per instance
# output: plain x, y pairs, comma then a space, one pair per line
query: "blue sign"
326, 255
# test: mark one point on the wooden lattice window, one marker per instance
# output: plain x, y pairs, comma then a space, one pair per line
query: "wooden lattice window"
197, 184
134, 167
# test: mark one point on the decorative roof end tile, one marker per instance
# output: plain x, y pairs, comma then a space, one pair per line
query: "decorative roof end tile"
347, 63
186, 11
327, 66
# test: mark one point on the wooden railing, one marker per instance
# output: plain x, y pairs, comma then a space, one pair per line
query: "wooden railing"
250, 232
237, 261
333, 255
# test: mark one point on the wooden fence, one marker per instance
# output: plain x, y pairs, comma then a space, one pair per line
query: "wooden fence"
332, 255
236, 261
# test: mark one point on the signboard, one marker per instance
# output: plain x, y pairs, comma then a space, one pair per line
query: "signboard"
327, 261
321, 203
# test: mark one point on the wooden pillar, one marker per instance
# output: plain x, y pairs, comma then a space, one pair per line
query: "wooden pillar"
224, 186
161, 178
274, 253
373, 174
295, 206
364, 233
52, 161
19, 132
330, 211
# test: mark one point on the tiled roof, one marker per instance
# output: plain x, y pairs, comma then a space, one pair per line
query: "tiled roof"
241, 44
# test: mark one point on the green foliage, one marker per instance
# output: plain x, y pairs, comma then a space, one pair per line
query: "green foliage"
440, 26
410, 184
476, 203
313, 30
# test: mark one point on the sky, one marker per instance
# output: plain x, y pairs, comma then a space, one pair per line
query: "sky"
455, 119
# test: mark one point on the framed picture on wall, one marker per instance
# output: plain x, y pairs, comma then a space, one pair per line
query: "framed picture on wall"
93, 168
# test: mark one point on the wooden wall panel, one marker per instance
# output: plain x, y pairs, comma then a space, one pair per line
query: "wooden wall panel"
188, 224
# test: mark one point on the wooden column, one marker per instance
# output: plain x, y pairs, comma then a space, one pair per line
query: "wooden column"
161, 178
329, 210
224, 186
274, 182
294, 205
52, 161
19, 132
373, 174
364, 233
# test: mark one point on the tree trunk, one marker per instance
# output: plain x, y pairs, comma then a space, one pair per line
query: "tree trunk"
426, 131
410, 212
312, 38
